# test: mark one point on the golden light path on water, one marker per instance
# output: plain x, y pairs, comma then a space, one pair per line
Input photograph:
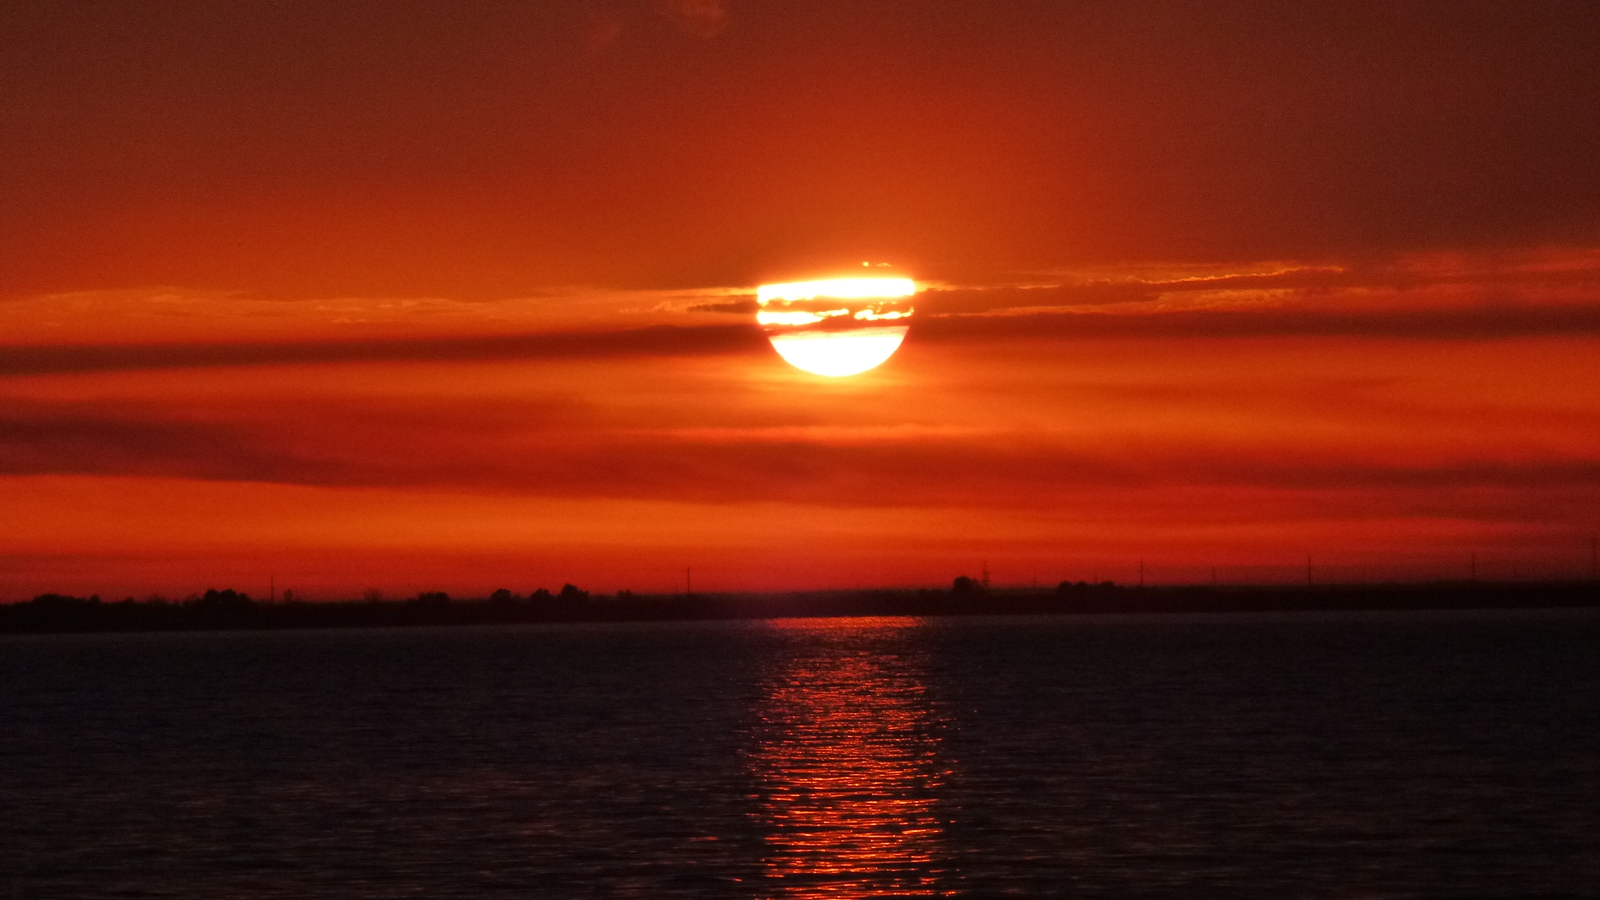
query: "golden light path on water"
836, 326
847, 762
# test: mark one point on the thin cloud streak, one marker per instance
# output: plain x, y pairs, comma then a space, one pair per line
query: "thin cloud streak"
1485, 323
883, 472
662, 340
1481, 296
1532, 277
1479, 323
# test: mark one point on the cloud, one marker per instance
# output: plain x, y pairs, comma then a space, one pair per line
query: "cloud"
740, 307
1476, 297
104, 442
1483, 323
700, 18
608, 21
1445, 297
1530, 277
568, 453
640, 342
1118, 290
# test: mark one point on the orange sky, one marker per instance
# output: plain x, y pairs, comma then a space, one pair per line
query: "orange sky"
421, 297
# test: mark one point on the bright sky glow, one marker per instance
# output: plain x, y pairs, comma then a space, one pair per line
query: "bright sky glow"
839, 353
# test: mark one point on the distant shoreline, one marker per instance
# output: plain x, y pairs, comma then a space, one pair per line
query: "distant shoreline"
229, 610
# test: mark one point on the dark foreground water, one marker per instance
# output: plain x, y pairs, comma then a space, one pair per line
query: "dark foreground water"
1440, 755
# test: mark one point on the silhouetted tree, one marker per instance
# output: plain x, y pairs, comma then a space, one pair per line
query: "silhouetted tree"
965, 585
433, 598
64, 601
502, 597
540, 594
224, 599
371, 595
571, 592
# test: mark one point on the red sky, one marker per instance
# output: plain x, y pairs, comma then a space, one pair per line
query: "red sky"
457, 296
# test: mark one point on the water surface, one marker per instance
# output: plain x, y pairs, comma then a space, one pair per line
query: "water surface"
1339, 755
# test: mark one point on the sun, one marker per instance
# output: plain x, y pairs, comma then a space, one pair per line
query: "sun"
837, 326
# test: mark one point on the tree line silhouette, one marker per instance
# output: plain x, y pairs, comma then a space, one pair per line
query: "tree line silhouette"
231, 609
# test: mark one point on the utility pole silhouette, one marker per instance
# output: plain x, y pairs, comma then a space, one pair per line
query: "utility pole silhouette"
986, 574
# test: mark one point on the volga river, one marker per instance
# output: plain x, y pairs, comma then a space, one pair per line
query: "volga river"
1340, 755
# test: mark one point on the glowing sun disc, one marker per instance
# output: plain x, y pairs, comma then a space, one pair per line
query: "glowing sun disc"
839, 353
835, 327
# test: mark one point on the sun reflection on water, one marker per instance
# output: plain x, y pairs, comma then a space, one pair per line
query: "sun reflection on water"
847, 762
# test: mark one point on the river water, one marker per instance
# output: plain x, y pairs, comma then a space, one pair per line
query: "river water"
1337, 755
